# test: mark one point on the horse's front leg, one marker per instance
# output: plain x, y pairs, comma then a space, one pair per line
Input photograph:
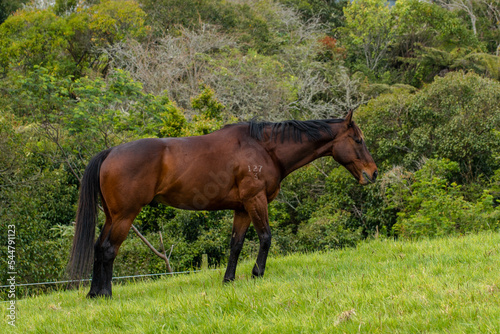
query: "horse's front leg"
257, 209
240, 227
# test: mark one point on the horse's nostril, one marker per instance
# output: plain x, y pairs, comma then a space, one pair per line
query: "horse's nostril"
375, 174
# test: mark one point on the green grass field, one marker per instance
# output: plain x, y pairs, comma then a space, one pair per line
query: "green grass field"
449, 285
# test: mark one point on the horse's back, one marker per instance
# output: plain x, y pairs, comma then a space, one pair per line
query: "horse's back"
189, 172
200, 172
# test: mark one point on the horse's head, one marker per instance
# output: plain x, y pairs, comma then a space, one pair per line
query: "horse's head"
349, 149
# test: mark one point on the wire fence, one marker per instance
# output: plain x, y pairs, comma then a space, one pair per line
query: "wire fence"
89, 279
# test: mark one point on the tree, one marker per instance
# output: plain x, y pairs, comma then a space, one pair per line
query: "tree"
369, 29
428, 40
71, 44
465, 5
32, 38
491, 30
7, 7
329, 12
455, 117
98, 28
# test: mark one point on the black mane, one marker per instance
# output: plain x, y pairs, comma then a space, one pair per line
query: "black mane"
292, 130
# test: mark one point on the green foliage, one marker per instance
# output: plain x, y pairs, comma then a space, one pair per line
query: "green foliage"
299, 194
72, 120
434, 206
209, 113
41, 254
36, 194
62, 7
8, 7
364, 205
207, 105
368, 27
326, 211
118, 106
382, 120
68, 44
111, 21
32, 38
430, 62
495, 187
481, 63
455, 117
111, 111
326, 229
428, 24
40, 95
419, 24
242, 18
429, 39
97, 29
173, 120
481, 17
328, 12
402, 37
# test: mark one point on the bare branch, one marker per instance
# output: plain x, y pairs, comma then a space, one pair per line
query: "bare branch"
466, 5
167, 258
164, 257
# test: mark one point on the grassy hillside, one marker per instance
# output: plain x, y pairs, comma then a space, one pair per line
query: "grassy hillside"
443, 285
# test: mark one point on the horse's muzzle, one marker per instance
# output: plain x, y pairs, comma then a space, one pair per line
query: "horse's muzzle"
366, 179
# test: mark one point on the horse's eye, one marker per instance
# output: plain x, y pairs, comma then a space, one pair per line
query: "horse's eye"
358, 140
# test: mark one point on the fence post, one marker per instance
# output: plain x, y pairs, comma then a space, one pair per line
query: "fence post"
204, 262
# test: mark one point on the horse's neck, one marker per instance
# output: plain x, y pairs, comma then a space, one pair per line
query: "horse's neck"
293, 155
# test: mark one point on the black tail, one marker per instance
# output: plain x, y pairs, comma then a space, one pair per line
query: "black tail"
82, 252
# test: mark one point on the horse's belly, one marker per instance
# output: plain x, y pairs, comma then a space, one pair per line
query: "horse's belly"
208, 197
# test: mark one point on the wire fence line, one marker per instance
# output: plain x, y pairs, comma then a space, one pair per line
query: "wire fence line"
89, 279
119, 277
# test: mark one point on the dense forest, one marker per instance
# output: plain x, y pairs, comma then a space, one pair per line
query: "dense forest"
80, 76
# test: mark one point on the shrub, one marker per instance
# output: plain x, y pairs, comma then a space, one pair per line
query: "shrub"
434, 206
327, 229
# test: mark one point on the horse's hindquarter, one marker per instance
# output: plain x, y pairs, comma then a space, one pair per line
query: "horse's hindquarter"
129, 175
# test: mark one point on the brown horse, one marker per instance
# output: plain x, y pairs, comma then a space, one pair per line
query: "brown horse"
239, 167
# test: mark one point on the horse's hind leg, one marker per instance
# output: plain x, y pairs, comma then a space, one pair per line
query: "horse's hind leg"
113, 233
98, 266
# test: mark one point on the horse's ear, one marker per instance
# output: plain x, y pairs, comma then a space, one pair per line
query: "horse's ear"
348, 118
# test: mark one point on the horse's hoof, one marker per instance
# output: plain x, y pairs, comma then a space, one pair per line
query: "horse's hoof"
227, 280
256, 274
103, 293
91, 295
